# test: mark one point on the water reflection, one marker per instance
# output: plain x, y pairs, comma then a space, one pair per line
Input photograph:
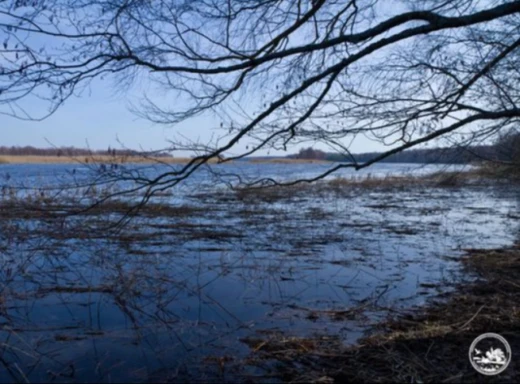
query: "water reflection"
171, 297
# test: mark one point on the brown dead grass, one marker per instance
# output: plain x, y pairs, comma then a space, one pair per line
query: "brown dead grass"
51, 209
500, 171
12, 159
346, 185
341, 186
93, 159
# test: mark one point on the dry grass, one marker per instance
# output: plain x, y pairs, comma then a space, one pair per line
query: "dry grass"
341, 186
93, 159
278, 343
270, 194
500, 171
374, 182
346, 185
39, 209
485, 173
23, 159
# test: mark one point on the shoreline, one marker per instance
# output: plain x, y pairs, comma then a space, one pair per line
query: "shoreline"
425, 345
40, 160
108, 159
95, 159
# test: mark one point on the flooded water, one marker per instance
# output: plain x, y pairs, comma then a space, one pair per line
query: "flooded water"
30, 175
174, 296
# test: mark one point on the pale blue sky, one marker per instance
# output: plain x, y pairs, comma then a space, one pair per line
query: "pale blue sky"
101, 116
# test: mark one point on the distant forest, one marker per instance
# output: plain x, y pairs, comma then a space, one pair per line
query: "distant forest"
454, 155
507, 149
72, 151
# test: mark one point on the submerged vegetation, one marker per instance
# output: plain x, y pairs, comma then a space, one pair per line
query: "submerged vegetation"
424, 346
311, 282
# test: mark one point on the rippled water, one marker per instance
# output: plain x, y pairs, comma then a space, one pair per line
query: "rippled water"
174, 292
58, 174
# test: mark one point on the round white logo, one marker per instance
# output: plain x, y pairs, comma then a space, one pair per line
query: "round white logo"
490, 354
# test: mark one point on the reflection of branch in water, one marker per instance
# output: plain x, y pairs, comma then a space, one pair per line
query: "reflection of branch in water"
168, 277
9, 370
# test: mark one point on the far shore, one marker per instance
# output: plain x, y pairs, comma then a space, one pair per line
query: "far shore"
28, 159
24, 159
286, 160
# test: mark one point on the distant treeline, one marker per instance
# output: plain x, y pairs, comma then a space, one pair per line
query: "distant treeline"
453, 155
505, 150
72, 151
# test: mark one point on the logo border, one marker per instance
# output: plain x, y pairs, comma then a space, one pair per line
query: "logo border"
494, 336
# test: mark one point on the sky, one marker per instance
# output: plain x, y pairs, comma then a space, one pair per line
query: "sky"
99, 119
102, 117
